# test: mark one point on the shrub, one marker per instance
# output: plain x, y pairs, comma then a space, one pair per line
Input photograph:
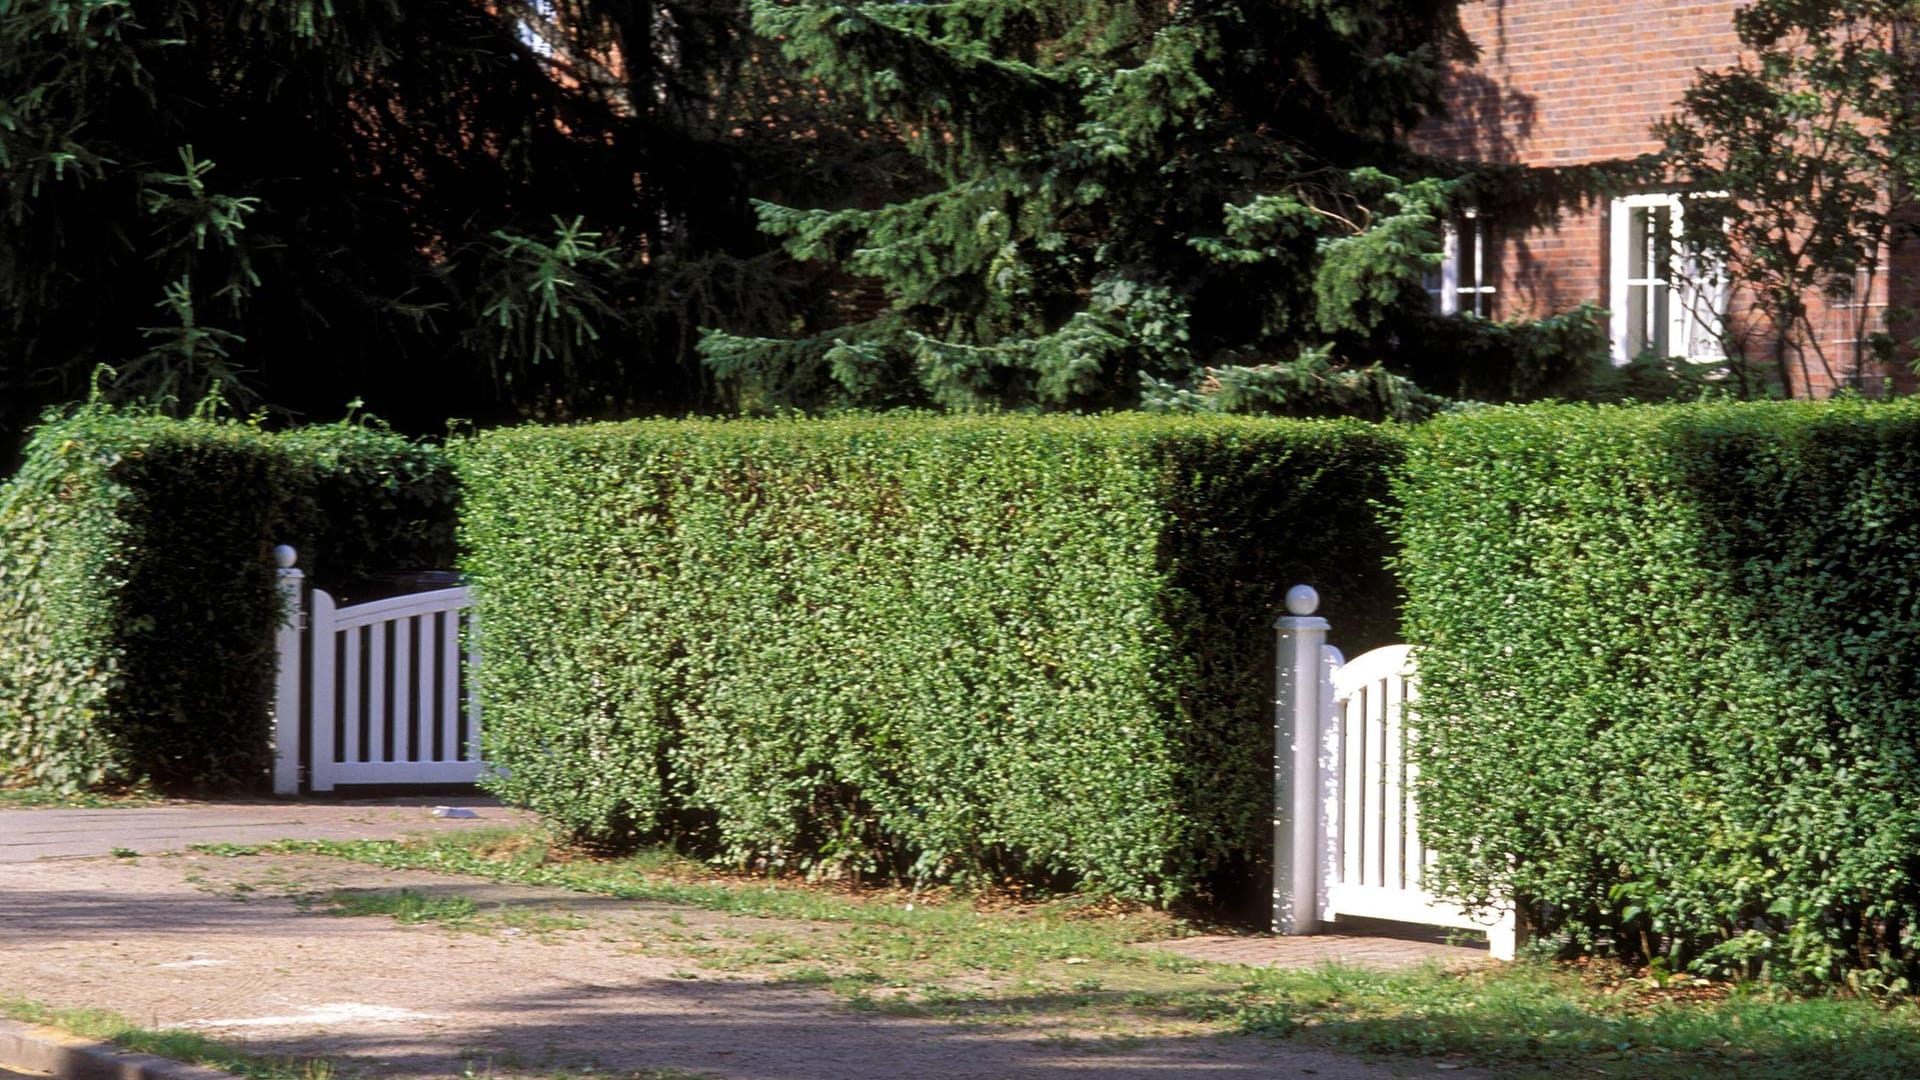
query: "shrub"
361, 501
1671, 676
1024, 649
137, 591
1473, 359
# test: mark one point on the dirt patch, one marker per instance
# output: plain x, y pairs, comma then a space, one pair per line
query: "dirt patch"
509, 981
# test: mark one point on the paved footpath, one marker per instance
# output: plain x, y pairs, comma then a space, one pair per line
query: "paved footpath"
26, 835
225, 946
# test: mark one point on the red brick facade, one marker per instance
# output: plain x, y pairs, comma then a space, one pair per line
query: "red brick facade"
1564, 82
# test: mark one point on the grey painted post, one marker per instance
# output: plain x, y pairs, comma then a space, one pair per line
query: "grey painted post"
286, 695
1299, 641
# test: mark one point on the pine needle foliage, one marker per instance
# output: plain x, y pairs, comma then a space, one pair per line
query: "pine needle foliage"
1133, 203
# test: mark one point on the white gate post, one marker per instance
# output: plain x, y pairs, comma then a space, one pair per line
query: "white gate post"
286, 690
1299, 665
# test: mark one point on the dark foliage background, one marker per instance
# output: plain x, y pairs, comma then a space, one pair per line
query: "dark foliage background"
447, 209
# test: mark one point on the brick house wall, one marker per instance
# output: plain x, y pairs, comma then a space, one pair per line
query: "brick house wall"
1565, 82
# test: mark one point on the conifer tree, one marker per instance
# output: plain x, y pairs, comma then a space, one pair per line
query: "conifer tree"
1196, 204
445, 207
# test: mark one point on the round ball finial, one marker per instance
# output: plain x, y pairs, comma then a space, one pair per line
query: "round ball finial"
284, 556
1302, 600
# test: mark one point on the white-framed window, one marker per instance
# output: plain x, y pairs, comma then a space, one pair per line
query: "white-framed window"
1464, 280
1667, 297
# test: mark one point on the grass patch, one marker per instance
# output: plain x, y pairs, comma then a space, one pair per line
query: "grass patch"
405, 906
226, 851
898, 941
1542, 1019
413, 907
1068, 969
178, 1045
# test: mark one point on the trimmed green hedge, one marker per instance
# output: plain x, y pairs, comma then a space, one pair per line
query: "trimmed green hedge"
137, 591
1015, 649
1671, 676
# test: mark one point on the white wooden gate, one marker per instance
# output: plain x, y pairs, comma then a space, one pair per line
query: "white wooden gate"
384, 698
1347, 826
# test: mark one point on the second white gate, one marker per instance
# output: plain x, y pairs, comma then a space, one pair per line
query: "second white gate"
1347, 824
385, 698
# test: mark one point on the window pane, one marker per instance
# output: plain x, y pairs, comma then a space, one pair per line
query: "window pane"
1637, 225
1660, 319
1660, 242
1703, 301
1489, 269
1649, 320
1636, 320
1472, 250
1650, 243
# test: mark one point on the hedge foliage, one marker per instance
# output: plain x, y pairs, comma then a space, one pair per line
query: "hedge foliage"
137, 589
1015, 649
1671, 677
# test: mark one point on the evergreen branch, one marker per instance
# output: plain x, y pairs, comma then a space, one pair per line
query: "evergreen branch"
953, 102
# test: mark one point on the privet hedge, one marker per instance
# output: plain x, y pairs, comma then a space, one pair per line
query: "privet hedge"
1025, 649
1671, 676
137, 592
